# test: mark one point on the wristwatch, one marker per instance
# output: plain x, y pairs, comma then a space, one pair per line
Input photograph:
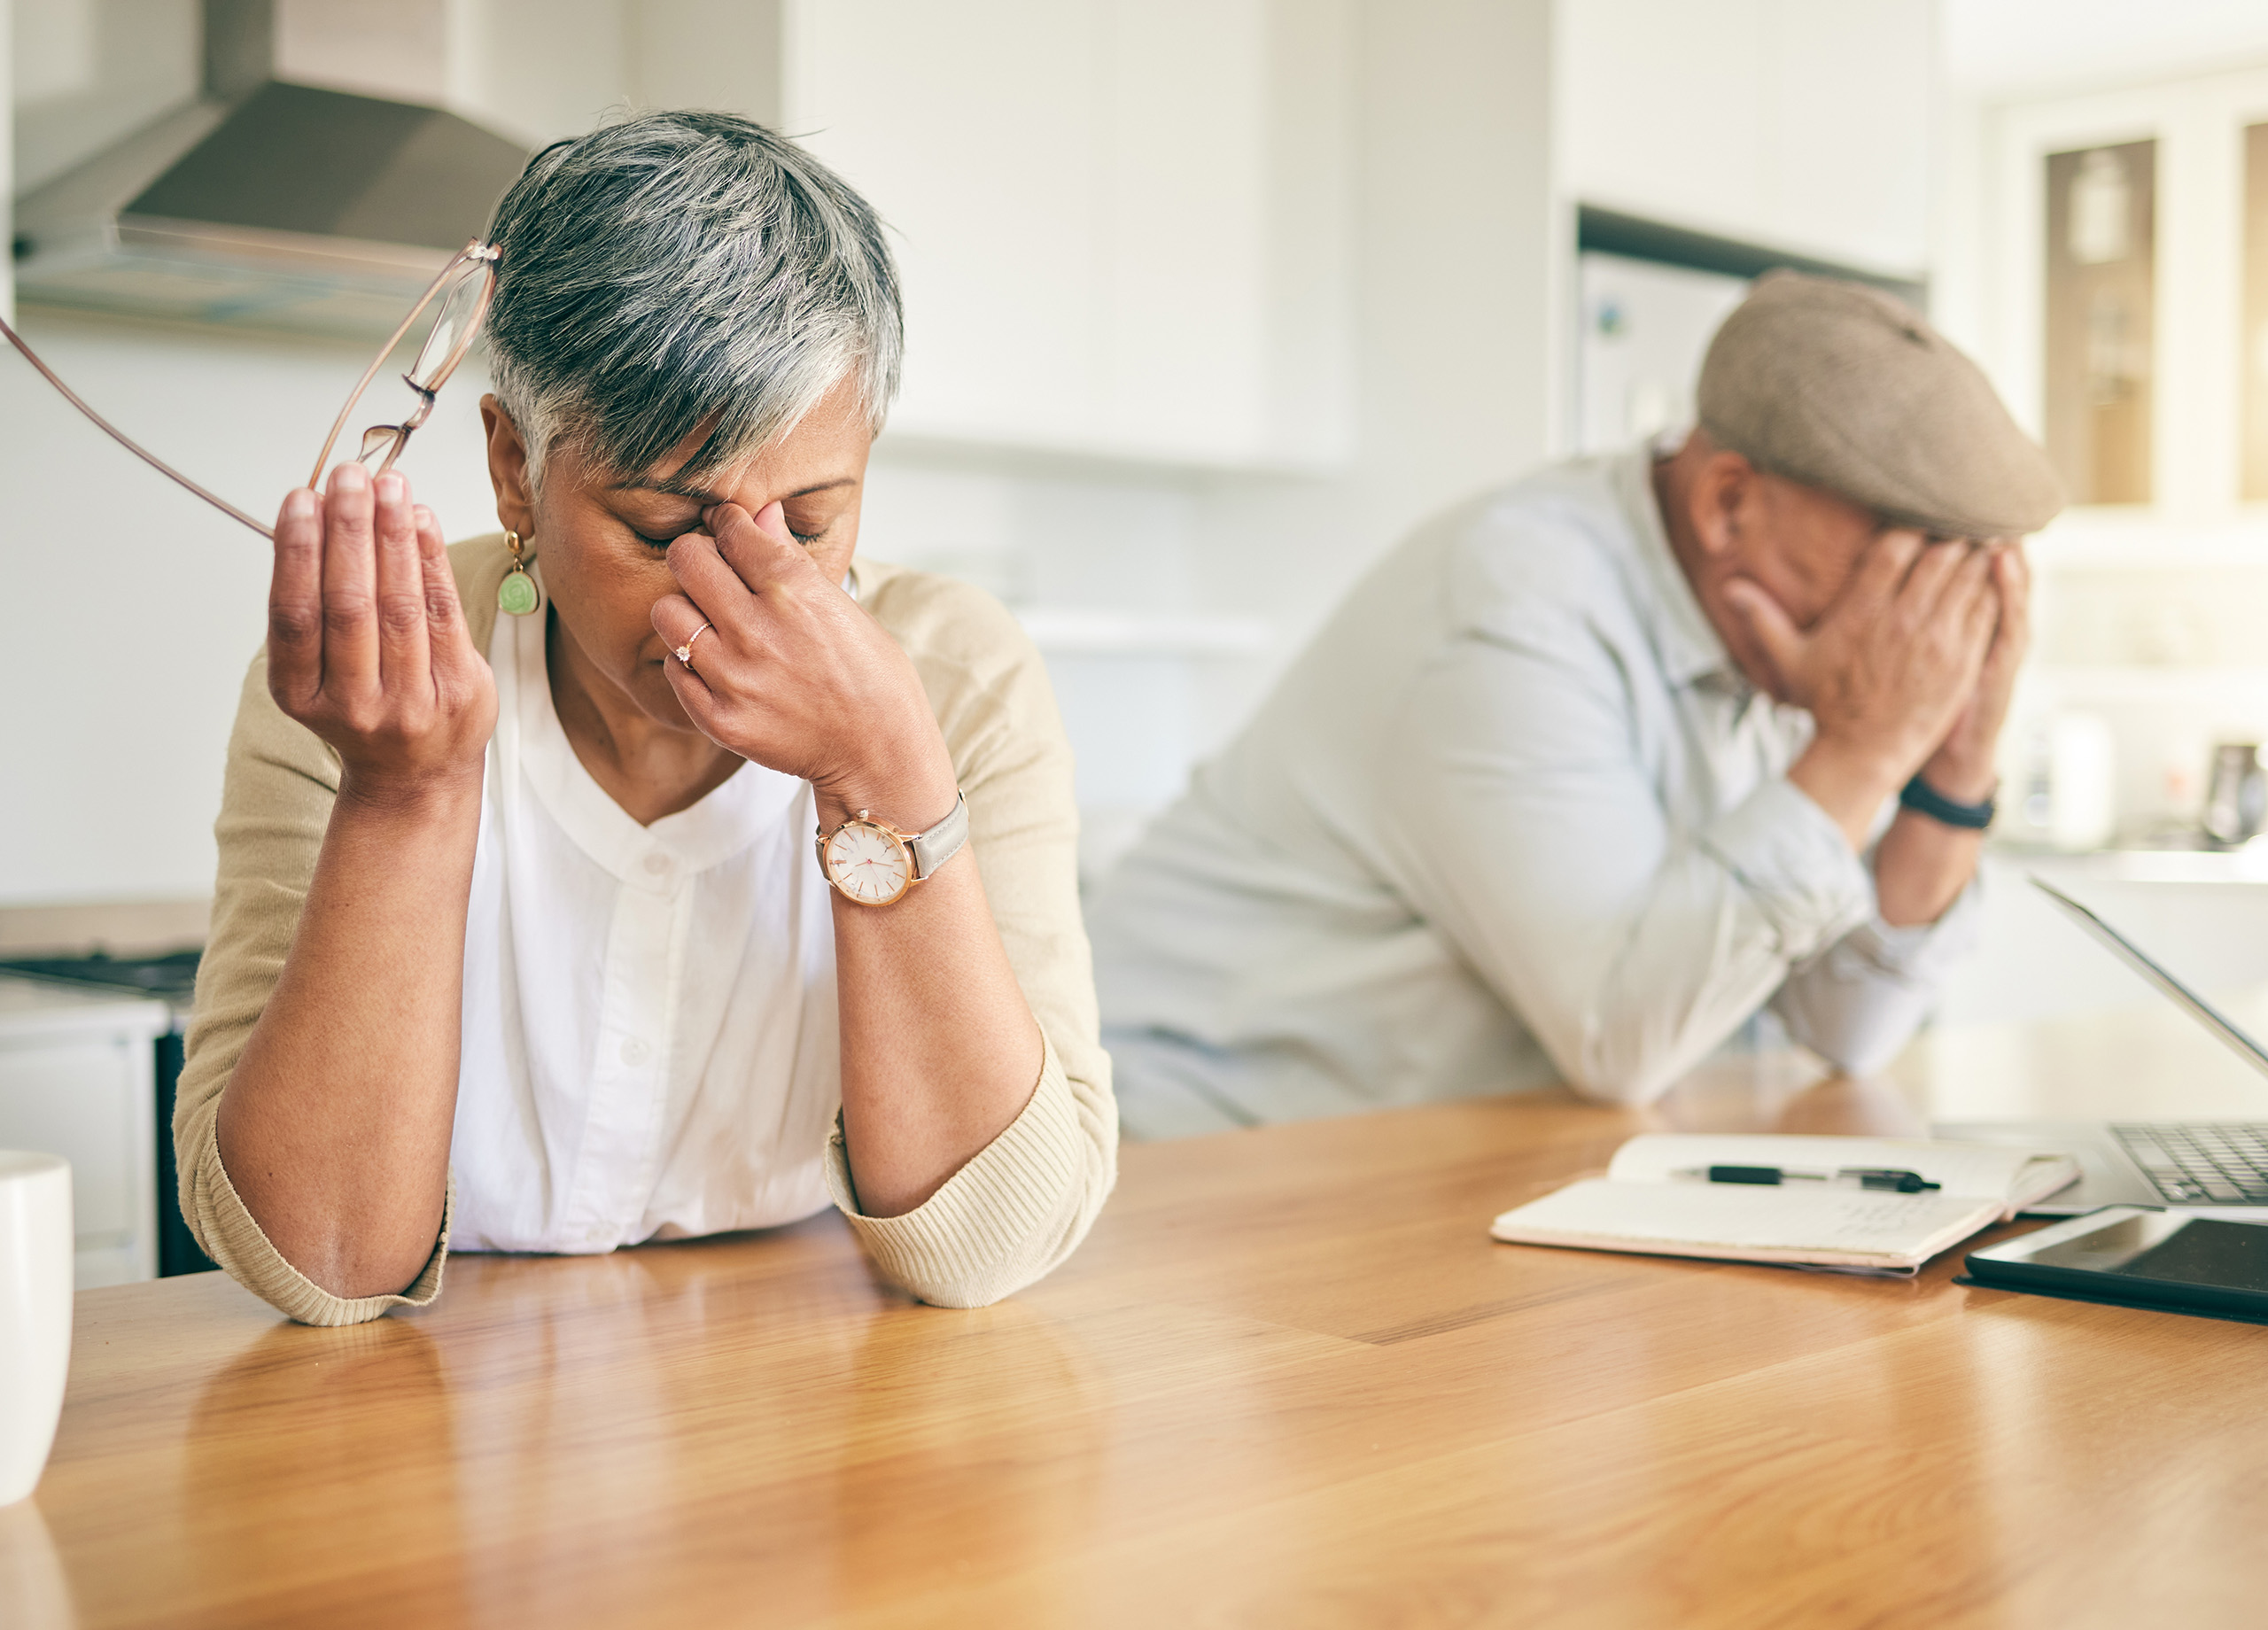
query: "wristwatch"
871, 863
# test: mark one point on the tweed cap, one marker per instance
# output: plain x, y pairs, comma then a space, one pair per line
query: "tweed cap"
1836, 386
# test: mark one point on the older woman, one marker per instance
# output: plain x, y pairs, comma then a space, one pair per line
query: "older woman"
519, 943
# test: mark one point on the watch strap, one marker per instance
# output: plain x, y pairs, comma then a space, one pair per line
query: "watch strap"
1923, 799
941, 843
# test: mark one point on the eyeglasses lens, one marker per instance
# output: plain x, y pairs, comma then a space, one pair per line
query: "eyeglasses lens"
459, 306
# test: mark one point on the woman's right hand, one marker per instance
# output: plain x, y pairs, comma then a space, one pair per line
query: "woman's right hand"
367, 643
334, 1126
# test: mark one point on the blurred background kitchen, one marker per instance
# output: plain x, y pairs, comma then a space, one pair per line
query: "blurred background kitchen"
1208, 301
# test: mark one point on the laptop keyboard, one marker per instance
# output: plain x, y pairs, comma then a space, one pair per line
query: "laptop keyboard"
2202, 1163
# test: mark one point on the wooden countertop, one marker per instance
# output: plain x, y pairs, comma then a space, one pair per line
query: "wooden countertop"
1288, 1381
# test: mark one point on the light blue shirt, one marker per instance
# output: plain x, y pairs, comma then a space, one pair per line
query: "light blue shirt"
1514, 816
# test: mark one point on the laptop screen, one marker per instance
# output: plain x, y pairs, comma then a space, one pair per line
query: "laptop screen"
2188, 1000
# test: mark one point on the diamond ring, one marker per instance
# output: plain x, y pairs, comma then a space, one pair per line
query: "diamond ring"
684, 652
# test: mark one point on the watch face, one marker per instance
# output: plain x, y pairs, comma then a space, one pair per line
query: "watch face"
868, 864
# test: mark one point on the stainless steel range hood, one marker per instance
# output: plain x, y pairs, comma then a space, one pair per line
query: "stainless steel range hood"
264, 203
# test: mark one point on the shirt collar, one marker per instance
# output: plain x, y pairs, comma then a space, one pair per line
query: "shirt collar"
1689, 646
751, 802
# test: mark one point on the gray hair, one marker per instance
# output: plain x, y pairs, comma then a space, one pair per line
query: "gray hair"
678, 272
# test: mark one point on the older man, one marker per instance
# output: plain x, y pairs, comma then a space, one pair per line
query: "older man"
1592, 771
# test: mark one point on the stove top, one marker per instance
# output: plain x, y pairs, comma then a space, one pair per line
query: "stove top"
169, 978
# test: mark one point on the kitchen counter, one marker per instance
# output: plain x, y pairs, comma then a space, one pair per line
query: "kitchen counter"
31, 1008
2247, 865
2204, 914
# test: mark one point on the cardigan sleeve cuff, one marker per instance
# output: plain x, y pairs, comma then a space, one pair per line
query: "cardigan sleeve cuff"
1922, 951
999, 1222
1796, 866
233, 1237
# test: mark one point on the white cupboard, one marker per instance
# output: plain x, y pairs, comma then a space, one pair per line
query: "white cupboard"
1786, 123
1121, 221
77, 1079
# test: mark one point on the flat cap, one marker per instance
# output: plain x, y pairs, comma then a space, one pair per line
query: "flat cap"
1839, 387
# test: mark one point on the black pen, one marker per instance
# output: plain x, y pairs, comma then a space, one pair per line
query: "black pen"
1887, 1179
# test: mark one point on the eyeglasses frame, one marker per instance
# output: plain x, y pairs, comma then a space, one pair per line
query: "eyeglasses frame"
473, 253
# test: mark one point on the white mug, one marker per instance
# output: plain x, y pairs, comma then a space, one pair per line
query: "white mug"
36, 1264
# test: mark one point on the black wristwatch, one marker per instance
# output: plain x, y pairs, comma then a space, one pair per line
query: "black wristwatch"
1924, 799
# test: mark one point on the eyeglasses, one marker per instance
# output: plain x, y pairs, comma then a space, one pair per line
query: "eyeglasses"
464, 288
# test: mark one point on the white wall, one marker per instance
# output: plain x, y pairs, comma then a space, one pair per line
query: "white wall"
130, 608
1462, 319
86, 72
1056, 533
131, 612
7, 158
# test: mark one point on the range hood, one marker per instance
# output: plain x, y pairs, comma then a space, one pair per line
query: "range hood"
264, 203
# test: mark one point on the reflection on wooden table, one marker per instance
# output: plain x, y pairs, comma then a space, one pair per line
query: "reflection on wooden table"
1290, 1381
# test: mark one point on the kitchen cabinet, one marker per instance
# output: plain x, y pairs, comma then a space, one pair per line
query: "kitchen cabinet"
77, 1079
1784, 123
1120, 222
2180, 334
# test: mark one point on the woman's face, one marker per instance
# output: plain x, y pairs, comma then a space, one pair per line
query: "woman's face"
603, 539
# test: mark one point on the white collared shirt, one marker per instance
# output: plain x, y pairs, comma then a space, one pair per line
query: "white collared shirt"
649, 1040
1514, 815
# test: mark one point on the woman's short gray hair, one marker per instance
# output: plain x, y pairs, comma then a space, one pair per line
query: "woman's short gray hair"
684, 272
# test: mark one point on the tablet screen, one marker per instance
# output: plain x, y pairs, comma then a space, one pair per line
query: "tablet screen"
2175, 1250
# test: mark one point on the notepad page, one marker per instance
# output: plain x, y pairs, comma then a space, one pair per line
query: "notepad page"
2010, 1174
1734, 1220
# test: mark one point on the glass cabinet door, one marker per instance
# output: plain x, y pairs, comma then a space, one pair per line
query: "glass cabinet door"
2255, 345
2101, 274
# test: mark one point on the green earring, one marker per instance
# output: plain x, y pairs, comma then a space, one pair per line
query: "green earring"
518, 593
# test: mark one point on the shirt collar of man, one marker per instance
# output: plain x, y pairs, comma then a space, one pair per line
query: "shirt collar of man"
1690, 649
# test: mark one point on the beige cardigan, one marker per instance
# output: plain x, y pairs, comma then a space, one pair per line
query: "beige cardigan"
1008, 1216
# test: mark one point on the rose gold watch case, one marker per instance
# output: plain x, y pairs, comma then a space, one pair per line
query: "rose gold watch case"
891, 834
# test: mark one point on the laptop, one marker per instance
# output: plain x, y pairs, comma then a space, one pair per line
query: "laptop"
2220, 1166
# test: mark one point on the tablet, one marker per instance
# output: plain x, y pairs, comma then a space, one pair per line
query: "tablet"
2129, 1253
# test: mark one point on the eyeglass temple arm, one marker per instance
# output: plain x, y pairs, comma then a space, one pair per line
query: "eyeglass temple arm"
473, 253
126, 441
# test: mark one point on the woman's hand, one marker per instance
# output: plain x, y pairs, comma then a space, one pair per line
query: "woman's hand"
367, 643
793, 675
940, 1052
335, 1125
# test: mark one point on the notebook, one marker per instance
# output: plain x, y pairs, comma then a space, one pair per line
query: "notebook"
1641, 1205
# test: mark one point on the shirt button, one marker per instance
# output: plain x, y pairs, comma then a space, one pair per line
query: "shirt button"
635, 1051
657, 864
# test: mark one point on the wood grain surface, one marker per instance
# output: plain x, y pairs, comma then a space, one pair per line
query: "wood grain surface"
1288, 1381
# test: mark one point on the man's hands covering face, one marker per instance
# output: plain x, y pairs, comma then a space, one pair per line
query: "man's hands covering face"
1910, 667
1962, 768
